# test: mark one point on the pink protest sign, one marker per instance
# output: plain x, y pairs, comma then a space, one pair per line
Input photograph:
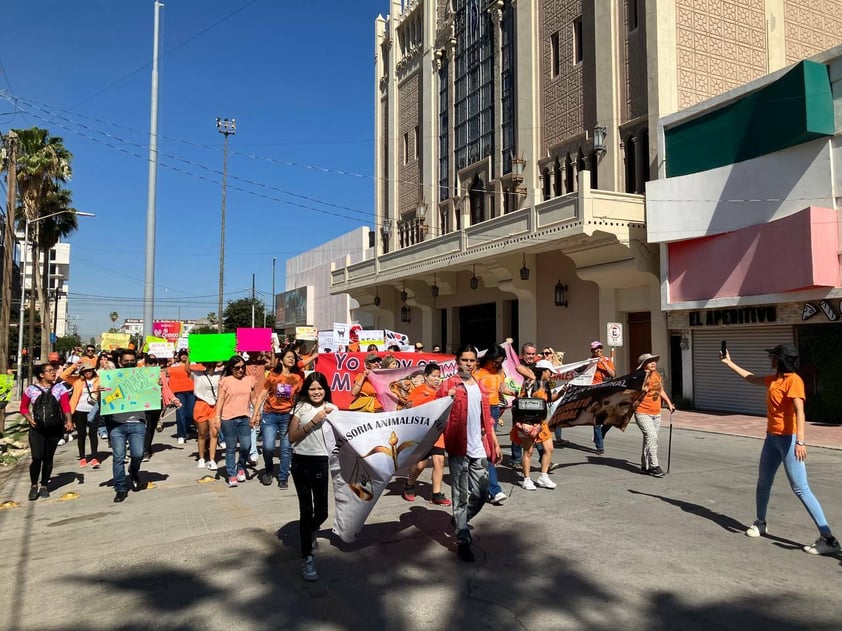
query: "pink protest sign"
254, 340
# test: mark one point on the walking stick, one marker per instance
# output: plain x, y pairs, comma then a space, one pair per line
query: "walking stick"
669, 445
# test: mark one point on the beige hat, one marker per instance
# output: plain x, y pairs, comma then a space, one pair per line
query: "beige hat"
646, 358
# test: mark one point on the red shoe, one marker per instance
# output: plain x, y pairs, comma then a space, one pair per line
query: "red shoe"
94, 463
440, 499
408, 493
83, 462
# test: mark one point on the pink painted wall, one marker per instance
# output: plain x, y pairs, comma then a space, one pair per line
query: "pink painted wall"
796, 252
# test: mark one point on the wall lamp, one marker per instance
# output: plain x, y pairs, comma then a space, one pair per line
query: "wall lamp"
560, 294
524, 271
474, 282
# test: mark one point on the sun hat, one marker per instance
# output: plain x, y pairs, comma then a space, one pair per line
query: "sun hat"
645, 359
544, 364
372, 357
596, 344
87, 365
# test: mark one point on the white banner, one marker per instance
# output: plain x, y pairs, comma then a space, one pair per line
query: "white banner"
575, 374
369, 449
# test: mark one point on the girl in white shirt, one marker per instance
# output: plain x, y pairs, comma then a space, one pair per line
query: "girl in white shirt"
310, 463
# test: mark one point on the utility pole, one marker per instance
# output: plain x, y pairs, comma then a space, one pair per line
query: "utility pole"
11, 142
252, 301
226, 128
274, 300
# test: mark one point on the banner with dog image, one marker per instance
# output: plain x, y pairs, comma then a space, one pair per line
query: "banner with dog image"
367, 450
393, 385
610, 402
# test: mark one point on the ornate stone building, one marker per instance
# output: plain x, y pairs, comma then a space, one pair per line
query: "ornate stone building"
512, 148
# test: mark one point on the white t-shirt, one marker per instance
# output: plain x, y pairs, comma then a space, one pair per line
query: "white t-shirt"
83, 405
313, 444
475, 448
205, 386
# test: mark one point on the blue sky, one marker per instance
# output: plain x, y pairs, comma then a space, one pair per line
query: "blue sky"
297, 76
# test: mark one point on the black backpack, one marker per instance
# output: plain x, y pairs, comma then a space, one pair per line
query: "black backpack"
46, 411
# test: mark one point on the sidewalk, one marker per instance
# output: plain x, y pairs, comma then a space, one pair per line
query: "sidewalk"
818, 434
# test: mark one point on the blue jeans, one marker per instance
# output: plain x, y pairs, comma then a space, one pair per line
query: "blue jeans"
118, 433
272, 424
781, 449
493, 483
184, 414
233, 430
599, 432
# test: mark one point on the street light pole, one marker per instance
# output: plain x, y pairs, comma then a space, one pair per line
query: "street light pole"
23, 256
226, 128
274, 301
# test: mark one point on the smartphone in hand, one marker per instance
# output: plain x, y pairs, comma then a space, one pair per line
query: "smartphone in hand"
723, 350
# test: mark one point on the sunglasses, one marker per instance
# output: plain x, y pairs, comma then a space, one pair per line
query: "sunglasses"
239, 367
547, 353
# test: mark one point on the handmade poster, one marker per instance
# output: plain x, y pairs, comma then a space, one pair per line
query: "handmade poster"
276, 343
327, 342
367, 450
211, 347
393, 337
372, 337
254, 340
309, 333
161, 349
113, 341
170, 330
183, 342
340, 369
7, 386
130, 390
611, 403
151, 339
341, 333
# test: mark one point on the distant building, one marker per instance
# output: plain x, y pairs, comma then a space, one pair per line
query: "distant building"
58, 285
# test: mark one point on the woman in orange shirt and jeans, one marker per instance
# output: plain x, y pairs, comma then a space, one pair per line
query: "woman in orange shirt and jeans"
647, 414
785, 443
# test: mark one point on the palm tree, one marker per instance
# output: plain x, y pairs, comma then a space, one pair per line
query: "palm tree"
114, 317
43, 163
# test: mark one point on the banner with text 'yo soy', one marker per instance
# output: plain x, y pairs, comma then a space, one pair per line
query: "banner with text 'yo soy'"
367, 450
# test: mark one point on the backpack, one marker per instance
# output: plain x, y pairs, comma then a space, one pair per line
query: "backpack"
46, 411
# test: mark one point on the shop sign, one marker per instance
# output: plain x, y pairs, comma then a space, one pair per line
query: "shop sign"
741, 315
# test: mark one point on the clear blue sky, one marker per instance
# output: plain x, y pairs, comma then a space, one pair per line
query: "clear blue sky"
297, 76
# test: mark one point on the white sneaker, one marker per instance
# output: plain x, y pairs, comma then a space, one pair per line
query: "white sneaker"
756, 529
180, 441
544, 482
308, 569
528, 484
222, 445
200, 464
499, 498
61, 442
823, 546
212, 465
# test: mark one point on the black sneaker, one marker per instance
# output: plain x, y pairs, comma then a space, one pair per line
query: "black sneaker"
657, 472
137, 485
33, 493
43, 492
266, 478
283, 484
465, 553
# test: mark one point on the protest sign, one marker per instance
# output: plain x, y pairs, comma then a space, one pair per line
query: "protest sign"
367, 450
393, 337
308, 333
162, 350
151, 339
327, 343
170, 330
113, 341
254, 340
211, 347
7, 386
608, 403
341, 333
130, 390
340, 368
372, 337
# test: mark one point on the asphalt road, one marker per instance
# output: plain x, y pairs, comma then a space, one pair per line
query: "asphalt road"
608, 549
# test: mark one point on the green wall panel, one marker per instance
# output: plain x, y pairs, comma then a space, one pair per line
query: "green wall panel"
796, 108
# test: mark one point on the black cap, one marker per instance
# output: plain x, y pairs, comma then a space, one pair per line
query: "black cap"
783, 351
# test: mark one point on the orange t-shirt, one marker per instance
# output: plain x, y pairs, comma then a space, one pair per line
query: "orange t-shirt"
179, 378
601, 374
282, 391
368, 390
651, 402
419, 396
780, 409
491, 381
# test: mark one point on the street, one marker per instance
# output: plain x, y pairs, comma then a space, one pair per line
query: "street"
610, 548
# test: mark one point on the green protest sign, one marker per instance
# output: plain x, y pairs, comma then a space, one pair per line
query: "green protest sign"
7, 386
129, 390
211, 347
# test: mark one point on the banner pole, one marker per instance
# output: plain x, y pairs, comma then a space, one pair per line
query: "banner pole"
669, 446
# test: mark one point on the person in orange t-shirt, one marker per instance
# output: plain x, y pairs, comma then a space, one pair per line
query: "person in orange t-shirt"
365, 396
604, 370
421, 394
785, 443
491, 377
647, 414
178, 376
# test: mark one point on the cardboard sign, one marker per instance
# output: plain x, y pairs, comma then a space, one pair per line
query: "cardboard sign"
253, 339
308, 333
113, 341
130, 390
211, 347
161, 350
327, 343
372, 337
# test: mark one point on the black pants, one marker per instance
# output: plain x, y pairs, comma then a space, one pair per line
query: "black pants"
309, 473
85, 430
43, 446
152, 417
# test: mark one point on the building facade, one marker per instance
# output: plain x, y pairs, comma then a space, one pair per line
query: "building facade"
512, 148
58, 282
746, 213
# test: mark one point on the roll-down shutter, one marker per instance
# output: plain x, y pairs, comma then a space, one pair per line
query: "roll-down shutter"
716, 387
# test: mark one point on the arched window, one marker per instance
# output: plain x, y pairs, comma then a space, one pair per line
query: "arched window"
631, 167
546, 183
580, 163
477, 197
557, 178
568, 174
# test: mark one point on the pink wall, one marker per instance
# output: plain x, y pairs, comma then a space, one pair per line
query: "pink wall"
796, 252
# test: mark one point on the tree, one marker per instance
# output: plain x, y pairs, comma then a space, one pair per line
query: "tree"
67, 343
43, 163
114, 317
211, 318
237, 314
